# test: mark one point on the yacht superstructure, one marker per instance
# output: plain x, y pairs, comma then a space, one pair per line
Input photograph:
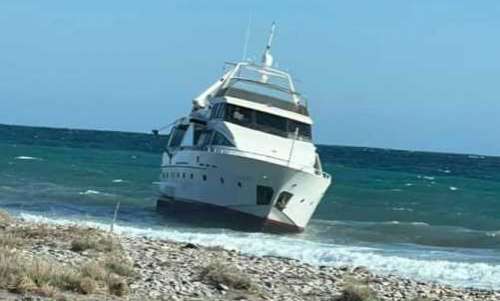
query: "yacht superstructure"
246, 150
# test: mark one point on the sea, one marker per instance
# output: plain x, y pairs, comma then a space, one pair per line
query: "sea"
421, 215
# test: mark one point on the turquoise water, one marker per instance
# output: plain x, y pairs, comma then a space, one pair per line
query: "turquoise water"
421, 215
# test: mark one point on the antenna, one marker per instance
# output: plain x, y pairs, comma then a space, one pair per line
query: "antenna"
247, 37
267, 58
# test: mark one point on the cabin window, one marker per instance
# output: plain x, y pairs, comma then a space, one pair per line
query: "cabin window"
204, 139
303, 130
271, 123
283, 200
265, 122
264, 195
176, 135
239, 115
219, 139
217, 111
220, 111
198, 129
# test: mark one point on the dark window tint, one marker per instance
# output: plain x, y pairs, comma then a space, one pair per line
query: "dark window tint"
217, 111
303, 130
204, 139
239, 115
266, 122
271, 123
283, 200
220, 111
177, 135
220, 139
264, 195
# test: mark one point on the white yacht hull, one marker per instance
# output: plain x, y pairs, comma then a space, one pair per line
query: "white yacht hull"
204, 180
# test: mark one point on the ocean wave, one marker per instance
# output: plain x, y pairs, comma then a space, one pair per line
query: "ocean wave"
27, 158
419, 224
462, 274
89, 192
493, 234
402, 209
453, 188
118, 180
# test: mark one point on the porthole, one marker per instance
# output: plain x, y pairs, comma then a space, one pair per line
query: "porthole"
222, 180
192, 176
239, 184
183, 175
204, 177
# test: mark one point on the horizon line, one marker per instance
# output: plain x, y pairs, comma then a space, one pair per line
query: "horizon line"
318, 144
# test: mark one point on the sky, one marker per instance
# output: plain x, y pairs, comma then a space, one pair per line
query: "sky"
404, 74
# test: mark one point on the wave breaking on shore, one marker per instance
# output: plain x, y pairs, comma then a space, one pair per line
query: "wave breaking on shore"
446, 271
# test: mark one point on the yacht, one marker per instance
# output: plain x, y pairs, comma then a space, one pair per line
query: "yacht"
245, 152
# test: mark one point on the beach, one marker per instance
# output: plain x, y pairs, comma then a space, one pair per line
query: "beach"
130, 267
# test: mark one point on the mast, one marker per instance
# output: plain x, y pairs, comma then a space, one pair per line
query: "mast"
267, 58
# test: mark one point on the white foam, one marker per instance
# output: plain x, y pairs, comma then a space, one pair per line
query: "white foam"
420, 224
409, 184
117, 181
429, 178
493, 234
453, 188
462, 274
27, 158
90, 191
402, 209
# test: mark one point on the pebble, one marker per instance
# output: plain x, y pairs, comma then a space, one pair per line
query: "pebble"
173, 270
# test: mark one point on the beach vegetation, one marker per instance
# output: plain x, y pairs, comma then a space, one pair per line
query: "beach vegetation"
120, 265
355, 290
5, 219
23, 272
102, 243
217, 273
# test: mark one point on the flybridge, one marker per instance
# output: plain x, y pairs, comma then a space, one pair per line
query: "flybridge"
263, 80
259, 83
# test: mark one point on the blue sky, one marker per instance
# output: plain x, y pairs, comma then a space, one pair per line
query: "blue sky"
419, 75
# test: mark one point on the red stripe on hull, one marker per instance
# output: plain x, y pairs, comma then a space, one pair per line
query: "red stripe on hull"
208, 215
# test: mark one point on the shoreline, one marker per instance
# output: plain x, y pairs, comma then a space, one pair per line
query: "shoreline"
169, 270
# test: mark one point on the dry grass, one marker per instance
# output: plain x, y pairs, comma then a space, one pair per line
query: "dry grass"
106, 274
102, 243
5, 219
120, 265
21, 275
9, 240
94, 270
354, 290
219, 273
49, 232
117, 285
